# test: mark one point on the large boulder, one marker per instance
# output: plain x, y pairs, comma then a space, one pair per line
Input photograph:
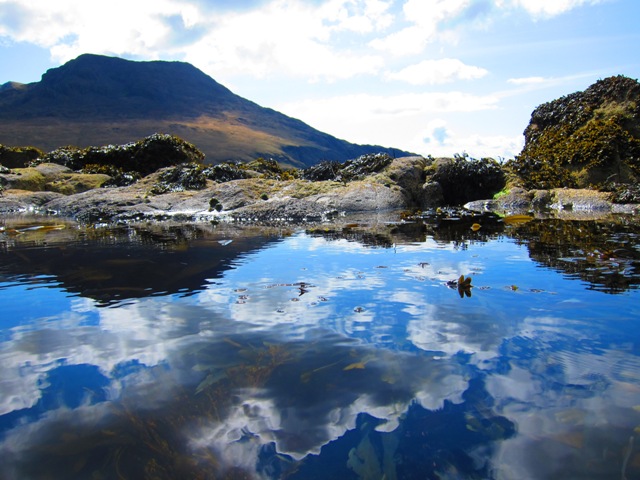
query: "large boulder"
463, 179
585, 139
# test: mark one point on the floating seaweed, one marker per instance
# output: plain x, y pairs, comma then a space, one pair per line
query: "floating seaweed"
462, 284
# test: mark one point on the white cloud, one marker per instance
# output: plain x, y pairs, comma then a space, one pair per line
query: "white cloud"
391, 106
430, 12
289, 37
360, 16
527, 80
546, 8
438, 138
71, 27
432, 72
395, 120
425, 18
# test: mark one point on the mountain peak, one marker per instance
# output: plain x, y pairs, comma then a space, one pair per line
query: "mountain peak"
112, 86
99, 100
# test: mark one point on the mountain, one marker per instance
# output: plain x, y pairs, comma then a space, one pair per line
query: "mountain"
99, 100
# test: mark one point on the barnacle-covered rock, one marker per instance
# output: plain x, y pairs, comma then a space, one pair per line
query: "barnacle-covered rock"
585, 139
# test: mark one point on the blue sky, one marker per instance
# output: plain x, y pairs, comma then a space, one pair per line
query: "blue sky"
431, 76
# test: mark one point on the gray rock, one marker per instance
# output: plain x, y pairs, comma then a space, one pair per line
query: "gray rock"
557, 200
26, 202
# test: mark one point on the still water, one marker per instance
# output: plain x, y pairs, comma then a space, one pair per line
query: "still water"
346, 351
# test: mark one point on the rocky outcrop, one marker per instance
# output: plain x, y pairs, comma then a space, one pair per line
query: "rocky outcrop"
188, 192
583, 140
142, 157
53, 178
262, 191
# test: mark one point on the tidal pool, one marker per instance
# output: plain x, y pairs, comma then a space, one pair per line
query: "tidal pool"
341, 351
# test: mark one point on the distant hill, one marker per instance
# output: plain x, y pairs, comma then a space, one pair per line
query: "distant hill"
98, 100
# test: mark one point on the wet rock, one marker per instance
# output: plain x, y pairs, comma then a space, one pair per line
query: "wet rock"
23, 201
362, 196
323, 171
285, 211
432, 195
555, 201
225, 172
624, 193
185, 192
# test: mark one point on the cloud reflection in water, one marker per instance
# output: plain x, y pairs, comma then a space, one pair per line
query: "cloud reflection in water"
364, 353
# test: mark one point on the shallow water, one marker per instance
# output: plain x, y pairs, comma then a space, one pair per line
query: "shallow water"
206, 351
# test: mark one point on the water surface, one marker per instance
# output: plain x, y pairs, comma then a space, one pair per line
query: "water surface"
347, 351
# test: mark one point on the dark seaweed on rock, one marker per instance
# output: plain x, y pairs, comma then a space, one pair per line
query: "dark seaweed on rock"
225, 172
180, 178
464, 179
585, 139
348, 171
144, 156
18, 157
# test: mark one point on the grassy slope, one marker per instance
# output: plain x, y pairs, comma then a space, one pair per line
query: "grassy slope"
221, 139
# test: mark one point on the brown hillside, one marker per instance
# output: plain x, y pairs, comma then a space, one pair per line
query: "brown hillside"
98, 100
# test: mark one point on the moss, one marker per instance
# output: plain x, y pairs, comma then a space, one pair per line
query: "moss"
348, 171
502, 193
117, 177
72, 183
225, 172
28, 179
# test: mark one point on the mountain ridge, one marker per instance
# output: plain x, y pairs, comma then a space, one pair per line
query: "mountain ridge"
99, 100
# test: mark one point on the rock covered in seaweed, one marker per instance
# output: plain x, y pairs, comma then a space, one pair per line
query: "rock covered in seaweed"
143, 157
585, 139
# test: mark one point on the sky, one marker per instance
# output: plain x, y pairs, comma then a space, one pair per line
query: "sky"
434, 77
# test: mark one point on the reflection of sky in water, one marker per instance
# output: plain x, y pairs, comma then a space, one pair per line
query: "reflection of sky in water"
363, 330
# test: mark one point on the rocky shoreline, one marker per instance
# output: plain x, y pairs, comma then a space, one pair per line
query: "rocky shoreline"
566, 203
401, 185
581, 158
